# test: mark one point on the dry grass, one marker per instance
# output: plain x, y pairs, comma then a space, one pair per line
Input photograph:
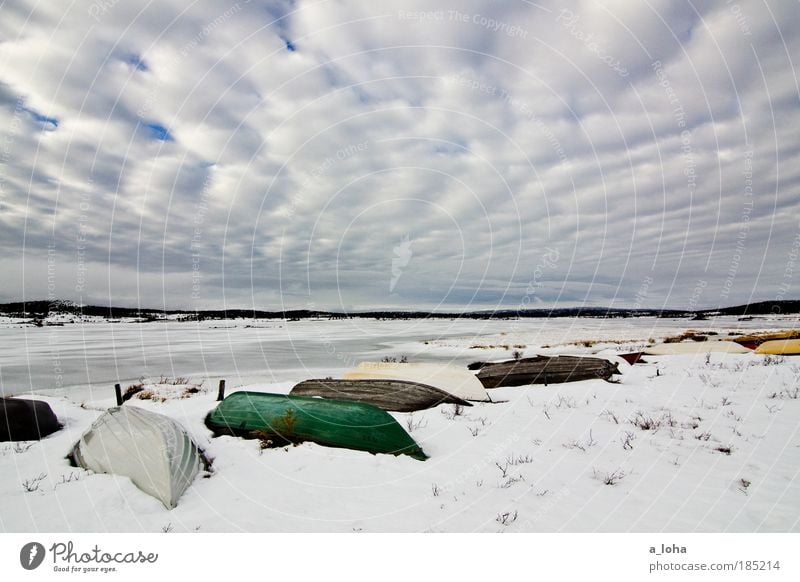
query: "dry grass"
689, 334
132, 390
490, 347
180, 380
768, 335
150, 395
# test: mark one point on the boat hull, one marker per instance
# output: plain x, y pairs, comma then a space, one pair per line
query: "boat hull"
151, 449
445, 377
26, 420
296, 419
787, 347
545, 370
393, 395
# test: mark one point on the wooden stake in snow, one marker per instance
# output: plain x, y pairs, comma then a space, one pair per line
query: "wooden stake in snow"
118, 393
221, 393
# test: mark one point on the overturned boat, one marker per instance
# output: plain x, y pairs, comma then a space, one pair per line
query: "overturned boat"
22, 419
151, 449
282, 419
394, 395
785, 347
545, 370
445, 377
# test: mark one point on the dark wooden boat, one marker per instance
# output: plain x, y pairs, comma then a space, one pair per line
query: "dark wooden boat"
545, 370
26, 420
394, 395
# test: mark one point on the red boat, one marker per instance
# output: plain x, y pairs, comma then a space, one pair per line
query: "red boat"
632, 358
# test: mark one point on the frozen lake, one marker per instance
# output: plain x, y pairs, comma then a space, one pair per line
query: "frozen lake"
681, 443
100, 353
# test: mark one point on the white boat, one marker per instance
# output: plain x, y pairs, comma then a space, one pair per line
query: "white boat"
151, 449
446, 377
692, 347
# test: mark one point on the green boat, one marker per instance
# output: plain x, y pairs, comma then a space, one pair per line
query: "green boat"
293, 419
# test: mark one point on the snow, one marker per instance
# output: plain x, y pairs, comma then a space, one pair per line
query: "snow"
537, 460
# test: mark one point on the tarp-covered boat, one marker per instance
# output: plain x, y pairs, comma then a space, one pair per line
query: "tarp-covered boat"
151, 449
394, 395
786, 347
692, 347
445, 377
545, 370
22, 419
294, 419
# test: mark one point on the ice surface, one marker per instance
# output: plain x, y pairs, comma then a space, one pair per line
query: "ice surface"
723, 454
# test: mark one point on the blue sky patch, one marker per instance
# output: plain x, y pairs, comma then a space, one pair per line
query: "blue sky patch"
48, 123
136, 62
158, 132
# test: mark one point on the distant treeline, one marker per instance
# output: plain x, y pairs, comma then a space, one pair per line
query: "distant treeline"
41, 309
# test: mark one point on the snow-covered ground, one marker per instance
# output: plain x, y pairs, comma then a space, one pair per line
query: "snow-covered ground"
683, 443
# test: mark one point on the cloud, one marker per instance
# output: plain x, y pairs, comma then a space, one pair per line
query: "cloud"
276, 153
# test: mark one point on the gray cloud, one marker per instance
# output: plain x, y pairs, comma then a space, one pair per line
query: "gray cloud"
652, 147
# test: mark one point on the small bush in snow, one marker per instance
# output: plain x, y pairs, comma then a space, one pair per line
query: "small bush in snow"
667, 420
791, 393
21, 447
413, 425
582, 446
519, 460
610, 415
692, 423
179, 381
732, 415
645, 422
627, 440
611, 478
511, 481
456, 410
507, 518
32, 484
503, 468
69, 478
564, 402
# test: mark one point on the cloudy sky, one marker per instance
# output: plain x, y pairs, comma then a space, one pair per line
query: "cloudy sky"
348, 155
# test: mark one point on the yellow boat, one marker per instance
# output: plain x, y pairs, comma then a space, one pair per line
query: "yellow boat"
787, 347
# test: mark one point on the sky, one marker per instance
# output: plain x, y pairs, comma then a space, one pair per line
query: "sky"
413, 155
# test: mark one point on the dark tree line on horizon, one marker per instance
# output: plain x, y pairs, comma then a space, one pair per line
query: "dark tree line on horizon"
41, 309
